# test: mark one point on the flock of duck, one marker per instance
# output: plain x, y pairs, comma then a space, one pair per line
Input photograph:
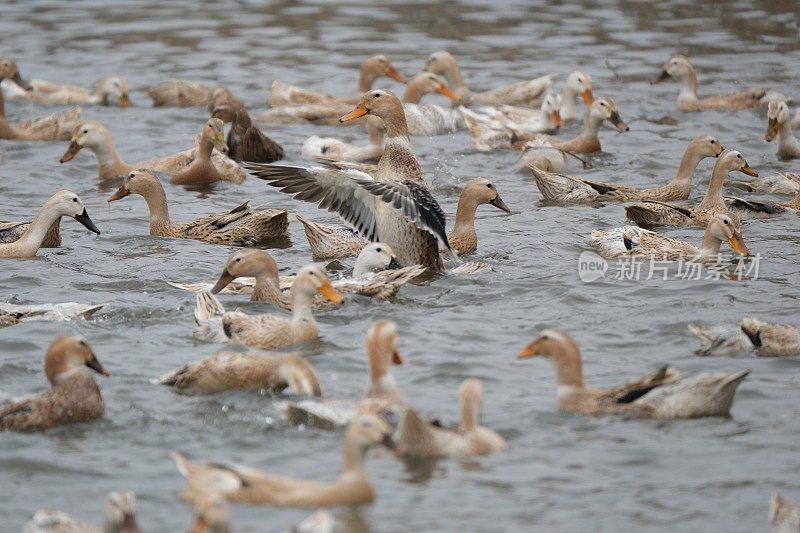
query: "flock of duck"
397, 230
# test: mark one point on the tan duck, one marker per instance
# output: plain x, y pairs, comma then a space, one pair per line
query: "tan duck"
521, 93
681, 70
9, 74
120, 517
750, 335
73, 397
780, 125
55, 127
331, 241
376, 273
520, 119
202, 169
96, 137
11, 314
246, 485
780, 183
578, 85
651, 214
784, 515
561, 188
12, 231
662, 394
228, 370
374, 67
381, 396
180, 93
241, 226
392, 206
418, 438
267, 331
245, 141
332, 149
463, 238
429, 119
212, 514
62, 204
633, 241
111, 90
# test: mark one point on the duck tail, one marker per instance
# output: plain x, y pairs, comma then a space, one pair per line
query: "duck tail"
183, 464
413, 435
300, 376
207, 306
752, 328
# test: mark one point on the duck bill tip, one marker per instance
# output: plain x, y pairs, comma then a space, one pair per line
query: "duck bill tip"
448, 92
395, 75
397, 359
124, 100
71, 152
749, 171
588, 97
527, 353
224, 280
358, 112
661, 77
331, 294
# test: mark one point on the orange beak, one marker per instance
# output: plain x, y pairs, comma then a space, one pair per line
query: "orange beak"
738, 245
329, 292
448, 92
397, 359
531, 350
124, 100
394, 74
772, 130
587, 97
121, 193
358, 112
555, 119
200, 526
223, 281
749, 171
73, 149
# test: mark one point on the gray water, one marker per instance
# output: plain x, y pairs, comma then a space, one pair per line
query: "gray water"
561, 472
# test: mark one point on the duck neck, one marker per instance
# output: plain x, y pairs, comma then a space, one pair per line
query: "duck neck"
353, 456
689, 163
33, 237
267, 288
301, 306
464, 225
156, 200
470, 412
109, 163
569, 369
713, 199
569, 97
204, 150
414, 92
453, 75
689, 88
375, 130
2, 106
786, 138
711, 244
366, 77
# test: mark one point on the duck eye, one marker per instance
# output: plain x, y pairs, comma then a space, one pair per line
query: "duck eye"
488, 185
238, 259
377, 95
75, 200
132, 175
713, 141
378, 249
85, 131
739, 156
725, 221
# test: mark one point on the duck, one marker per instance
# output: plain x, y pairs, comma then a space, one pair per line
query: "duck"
332, 149
73, 397
9, 71
381, 396
520, 119
780, 125
245, 141
393, 206
202, 169
241, 226
63, 203
418, 438
765, 339
330, 241
374, 67
227, 370
633, 241
521, 93
681, 70
12, 231
55, 127
463, 238
784, 514
780, 183
662, 394
110, 90
556, 187
267, 332
429, 119
180, 93
96, 137
376, 273
484, 138
649, 214
11, 314
247, 485
120, 517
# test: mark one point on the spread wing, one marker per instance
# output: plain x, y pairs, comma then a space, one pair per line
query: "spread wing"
338, 191
414, 201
